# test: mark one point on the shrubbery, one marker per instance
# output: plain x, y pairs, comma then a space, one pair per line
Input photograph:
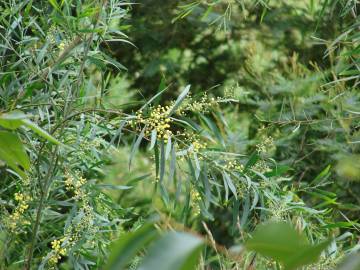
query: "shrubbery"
121, 123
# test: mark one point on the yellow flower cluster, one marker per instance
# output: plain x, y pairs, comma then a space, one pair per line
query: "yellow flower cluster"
195, 199
85, 143
69, 181
158, 120
62, 45
51, 34
85, 225
51, 37
265, 146
261, 167
202, 105
234, 165
74, 184
189, 143
16, 217
196, 142
198, 145
198, 106
74, 233
241, 189
57, 251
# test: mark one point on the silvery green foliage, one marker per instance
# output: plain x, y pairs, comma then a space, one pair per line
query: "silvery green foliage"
58, 205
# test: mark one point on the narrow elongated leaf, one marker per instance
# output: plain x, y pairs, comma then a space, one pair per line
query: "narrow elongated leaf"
252, 160
305, 256
230, 184
13, 153
281, 242
255, 199
174, 251
157, 160
207, 187
214, 128
226, 188
40, 131
163, 191
277, 240
112, 61
168, 148
15, 119
172, 163
123, 251
55, 5
351, 262
153, 98
153, 139
321, 175
235, 215
197, 167
245, 212
162, 161
12, 120
136, 145
118, 133
180, 99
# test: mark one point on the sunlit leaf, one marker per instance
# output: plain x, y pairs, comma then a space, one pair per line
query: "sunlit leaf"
126, 247
13, 153
174, 251
12, 120
40, 131
281, 242
179, 100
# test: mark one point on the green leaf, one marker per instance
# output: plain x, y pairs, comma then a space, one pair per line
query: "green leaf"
12, 120
162, 162
128, 245
341, 224
323, 174
197, 166
245, 212
136, 145
214, 128
174, 251
13, 153
40, 131
153, 138
230, 184
351, 262
207, 186
180, 99
252, 160
281, 242
55, 5
172, 163
168, 148
157, 160
153, 98
163, 191
109, 60
306, 256
277, 171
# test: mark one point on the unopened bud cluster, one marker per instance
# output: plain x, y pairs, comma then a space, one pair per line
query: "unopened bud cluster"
17, 217
265, 146
234, 165
158, 120
195, 199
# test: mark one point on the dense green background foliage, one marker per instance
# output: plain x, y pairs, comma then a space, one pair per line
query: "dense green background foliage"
120, 122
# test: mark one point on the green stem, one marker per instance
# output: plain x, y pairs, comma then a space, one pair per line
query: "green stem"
44, 191
45, 187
